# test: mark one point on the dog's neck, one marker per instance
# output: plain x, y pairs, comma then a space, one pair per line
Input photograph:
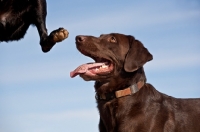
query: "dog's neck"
120, 86
120, 93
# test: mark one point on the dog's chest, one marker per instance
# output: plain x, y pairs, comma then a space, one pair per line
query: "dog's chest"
113, 114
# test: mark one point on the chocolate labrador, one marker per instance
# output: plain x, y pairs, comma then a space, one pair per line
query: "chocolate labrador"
17, 15
125, 101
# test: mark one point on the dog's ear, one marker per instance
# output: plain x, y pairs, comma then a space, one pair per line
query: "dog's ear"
137, 55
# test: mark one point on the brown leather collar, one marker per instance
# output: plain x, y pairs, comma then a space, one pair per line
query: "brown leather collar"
120, 93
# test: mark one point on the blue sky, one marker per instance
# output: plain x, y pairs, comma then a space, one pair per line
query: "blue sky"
36, 91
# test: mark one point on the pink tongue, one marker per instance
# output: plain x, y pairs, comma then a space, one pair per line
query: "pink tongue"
84, 68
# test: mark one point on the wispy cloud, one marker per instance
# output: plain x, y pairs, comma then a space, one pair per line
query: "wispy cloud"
173, 61
42, 71
42, 122
39, 109
137, 18
36, 71
146, 17
87, 114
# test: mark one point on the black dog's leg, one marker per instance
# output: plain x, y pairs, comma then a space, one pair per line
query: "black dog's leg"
47, 42
54, 37
102, 127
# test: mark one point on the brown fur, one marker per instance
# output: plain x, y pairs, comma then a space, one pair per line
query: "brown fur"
144, 111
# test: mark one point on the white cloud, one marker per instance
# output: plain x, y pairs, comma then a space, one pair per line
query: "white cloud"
35, 72
51, 122
86, 114
137, 18
173, 61
61, 69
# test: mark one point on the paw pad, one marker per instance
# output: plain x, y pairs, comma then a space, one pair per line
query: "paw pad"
59, 35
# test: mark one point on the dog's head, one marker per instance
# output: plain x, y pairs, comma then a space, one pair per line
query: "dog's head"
113, 53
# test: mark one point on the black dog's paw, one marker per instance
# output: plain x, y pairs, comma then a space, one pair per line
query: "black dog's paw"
59, 35
54, 37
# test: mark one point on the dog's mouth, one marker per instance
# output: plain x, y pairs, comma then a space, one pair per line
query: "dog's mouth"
101, 66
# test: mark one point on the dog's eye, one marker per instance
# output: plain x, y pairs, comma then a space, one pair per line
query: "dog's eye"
113, 40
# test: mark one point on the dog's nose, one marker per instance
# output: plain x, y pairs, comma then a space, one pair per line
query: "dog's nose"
80, 38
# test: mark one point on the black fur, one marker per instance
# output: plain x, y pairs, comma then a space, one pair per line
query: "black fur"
17, 15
